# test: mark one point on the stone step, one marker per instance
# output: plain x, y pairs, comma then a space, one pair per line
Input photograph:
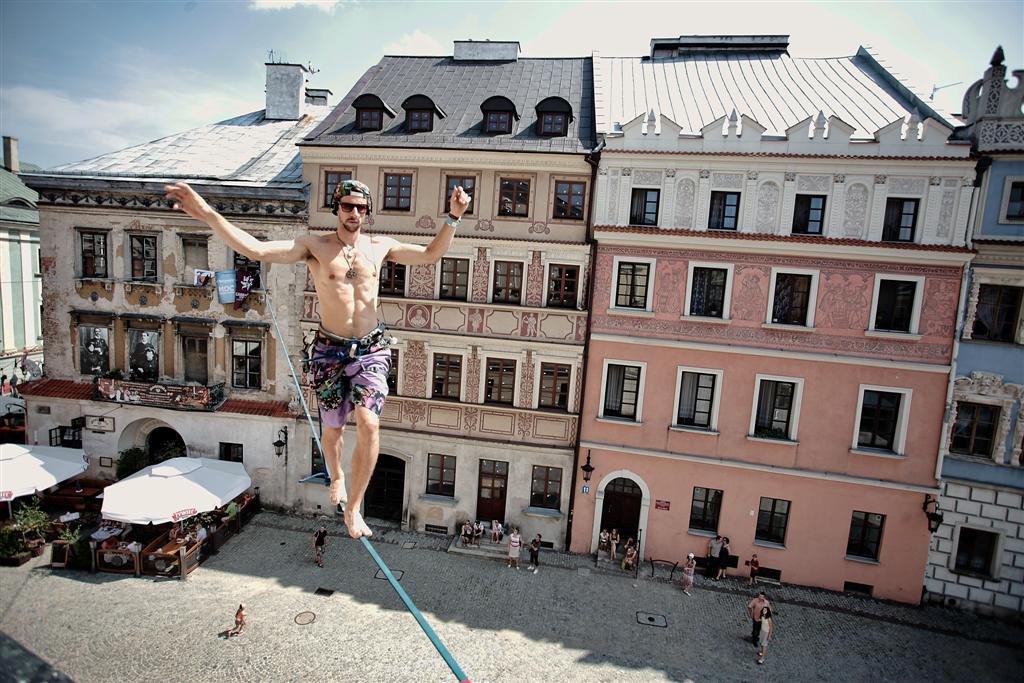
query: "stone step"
487, 549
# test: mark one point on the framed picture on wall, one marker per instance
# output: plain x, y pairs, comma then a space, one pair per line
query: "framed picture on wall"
99, 423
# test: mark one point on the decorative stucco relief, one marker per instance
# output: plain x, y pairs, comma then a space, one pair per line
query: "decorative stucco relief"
727, 181
813, 183
914, 186
415, 366
685, 193
426, 223
844, 301
946, 210
856, 213
472, 382
767, 207
417, 316
750, 294
484, 225
535, 280
989, 388
647, 178
421, 281
481, 269
526, 382
613, 198
668, 292
938, 308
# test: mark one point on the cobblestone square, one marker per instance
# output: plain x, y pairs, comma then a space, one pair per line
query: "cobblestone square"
500, 624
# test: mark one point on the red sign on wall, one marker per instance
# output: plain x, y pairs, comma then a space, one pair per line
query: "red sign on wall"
183, 514
662, 504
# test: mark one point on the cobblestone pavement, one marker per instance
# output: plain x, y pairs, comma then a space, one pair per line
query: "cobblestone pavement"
569, 622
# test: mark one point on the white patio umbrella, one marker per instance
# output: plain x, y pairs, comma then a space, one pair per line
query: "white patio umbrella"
174, 490
28, 469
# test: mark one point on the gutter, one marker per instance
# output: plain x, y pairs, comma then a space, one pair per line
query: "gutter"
594, 159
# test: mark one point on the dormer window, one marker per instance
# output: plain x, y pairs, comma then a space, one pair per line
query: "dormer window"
420, 112
553, 117
370, 112
499, 113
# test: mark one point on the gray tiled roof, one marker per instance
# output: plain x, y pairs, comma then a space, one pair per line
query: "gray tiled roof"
458, 88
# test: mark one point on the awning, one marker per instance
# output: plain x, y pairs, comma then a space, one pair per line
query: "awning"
174, 490
28, 469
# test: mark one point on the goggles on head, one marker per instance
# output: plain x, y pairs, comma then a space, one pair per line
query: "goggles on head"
351, 188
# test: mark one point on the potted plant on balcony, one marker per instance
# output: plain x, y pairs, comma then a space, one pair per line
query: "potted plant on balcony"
31, 522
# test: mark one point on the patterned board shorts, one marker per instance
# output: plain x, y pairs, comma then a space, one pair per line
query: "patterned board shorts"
346, 373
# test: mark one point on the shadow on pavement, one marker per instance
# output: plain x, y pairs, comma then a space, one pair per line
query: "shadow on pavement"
22, 665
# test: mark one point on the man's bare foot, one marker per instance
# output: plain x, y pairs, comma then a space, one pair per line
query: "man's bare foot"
355, 524
338, 494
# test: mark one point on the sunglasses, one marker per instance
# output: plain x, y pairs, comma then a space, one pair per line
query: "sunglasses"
348, 207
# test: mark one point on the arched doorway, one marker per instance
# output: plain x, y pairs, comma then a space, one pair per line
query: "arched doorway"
385, 495
164, 443
621, 509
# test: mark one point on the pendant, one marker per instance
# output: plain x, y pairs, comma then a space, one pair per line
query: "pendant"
351, 274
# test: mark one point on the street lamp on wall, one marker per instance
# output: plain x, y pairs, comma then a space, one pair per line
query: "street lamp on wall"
281, 445
588, 469
935, 516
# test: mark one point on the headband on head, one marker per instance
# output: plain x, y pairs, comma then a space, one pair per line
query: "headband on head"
354, 188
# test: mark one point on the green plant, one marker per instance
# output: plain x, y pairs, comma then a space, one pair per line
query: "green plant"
168, 450
31, 520
130, 461
70, 535
10, 541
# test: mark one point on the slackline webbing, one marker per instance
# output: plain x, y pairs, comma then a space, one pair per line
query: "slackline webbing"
409, 604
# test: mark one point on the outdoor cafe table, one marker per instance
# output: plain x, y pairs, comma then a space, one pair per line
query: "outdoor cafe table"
105, 532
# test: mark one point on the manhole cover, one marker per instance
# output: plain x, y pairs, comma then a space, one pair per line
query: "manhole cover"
398, 574
326, 592
408, 545
303, 618
648, 619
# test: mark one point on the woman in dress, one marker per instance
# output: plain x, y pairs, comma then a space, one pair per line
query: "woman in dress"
613, 544
723, 558
767, 633
602, 542
689, 567
515, 548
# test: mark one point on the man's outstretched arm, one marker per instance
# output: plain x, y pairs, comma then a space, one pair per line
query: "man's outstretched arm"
416, 254
279, 251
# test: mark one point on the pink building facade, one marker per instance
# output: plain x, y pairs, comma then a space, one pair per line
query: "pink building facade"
772, 322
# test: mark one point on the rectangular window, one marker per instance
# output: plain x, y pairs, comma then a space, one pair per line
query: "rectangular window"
468, 184
370, 119
1015, 204
454, 279
393, 374
704, 509
772, 517
143, 248
974, 429
499, 122
441, 475
792, 299
398, 191
194, 352
93, 350
447, 376
900, 219
94, 254
331, 181
231, 452
554, 386
569, 200
317, 463
696, 400
879, 416
244, 264
196, 253
997, 314
563, 282
809, 214
546, 489
144, 355
975, 551
643, 209
246, 363
420, 120
392, 279
514, 197
508, 282
501, 381
895, 309
622, 391
865, 535
552, 123
707, 293
774, 409
725, 211
631, 285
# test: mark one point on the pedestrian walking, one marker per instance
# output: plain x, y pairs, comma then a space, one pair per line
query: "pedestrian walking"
689, 567
714, 548
723, 558
240, 616
535, 553
319, 539
755, 567
766, 634
515, 548
14, 384
754, 608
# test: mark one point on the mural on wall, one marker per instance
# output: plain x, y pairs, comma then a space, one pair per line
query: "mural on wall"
93, 350
845, 301
750, 294
144, 355
670, 286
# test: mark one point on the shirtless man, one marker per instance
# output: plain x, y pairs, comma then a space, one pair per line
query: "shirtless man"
350, 357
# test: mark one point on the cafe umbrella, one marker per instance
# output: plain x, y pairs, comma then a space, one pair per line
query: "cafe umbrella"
174, 490
28, 469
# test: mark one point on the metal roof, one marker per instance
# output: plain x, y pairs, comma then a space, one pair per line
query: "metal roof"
458, 87
17, 200
773, 88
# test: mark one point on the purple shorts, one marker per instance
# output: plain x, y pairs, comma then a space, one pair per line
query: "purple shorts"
346, 373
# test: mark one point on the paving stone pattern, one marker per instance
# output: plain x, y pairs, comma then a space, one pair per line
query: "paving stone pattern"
571, 622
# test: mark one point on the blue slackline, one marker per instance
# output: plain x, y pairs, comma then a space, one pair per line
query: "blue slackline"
409, 604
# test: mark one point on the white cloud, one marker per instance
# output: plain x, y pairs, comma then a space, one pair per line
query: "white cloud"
323, 5
416, 43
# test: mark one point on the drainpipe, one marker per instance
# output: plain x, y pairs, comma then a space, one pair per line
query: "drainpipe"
594, 159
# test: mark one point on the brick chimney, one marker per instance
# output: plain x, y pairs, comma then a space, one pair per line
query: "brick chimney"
11, 154
286, 91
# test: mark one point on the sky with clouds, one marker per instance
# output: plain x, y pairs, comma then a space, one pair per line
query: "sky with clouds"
79, 79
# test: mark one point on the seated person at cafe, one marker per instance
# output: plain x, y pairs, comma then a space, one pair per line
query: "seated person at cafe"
467, 533
629, 559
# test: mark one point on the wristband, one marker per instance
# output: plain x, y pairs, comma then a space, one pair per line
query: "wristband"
453, 221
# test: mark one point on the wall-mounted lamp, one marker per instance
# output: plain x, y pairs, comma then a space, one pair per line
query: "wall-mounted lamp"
281, 445
935, 516
588, 469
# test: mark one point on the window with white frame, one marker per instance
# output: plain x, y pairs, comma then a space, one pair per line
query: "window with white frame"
792, 297
709, 290
634, 284
622, 390
447, 378
977, 552
881, 422
776, 410
500, 381
896, 304
697, 398
1012, 207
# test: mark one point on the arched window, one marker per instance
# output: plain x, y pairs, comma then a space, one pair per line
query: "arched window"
420, 111
499, 113
370, 112
553, 117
